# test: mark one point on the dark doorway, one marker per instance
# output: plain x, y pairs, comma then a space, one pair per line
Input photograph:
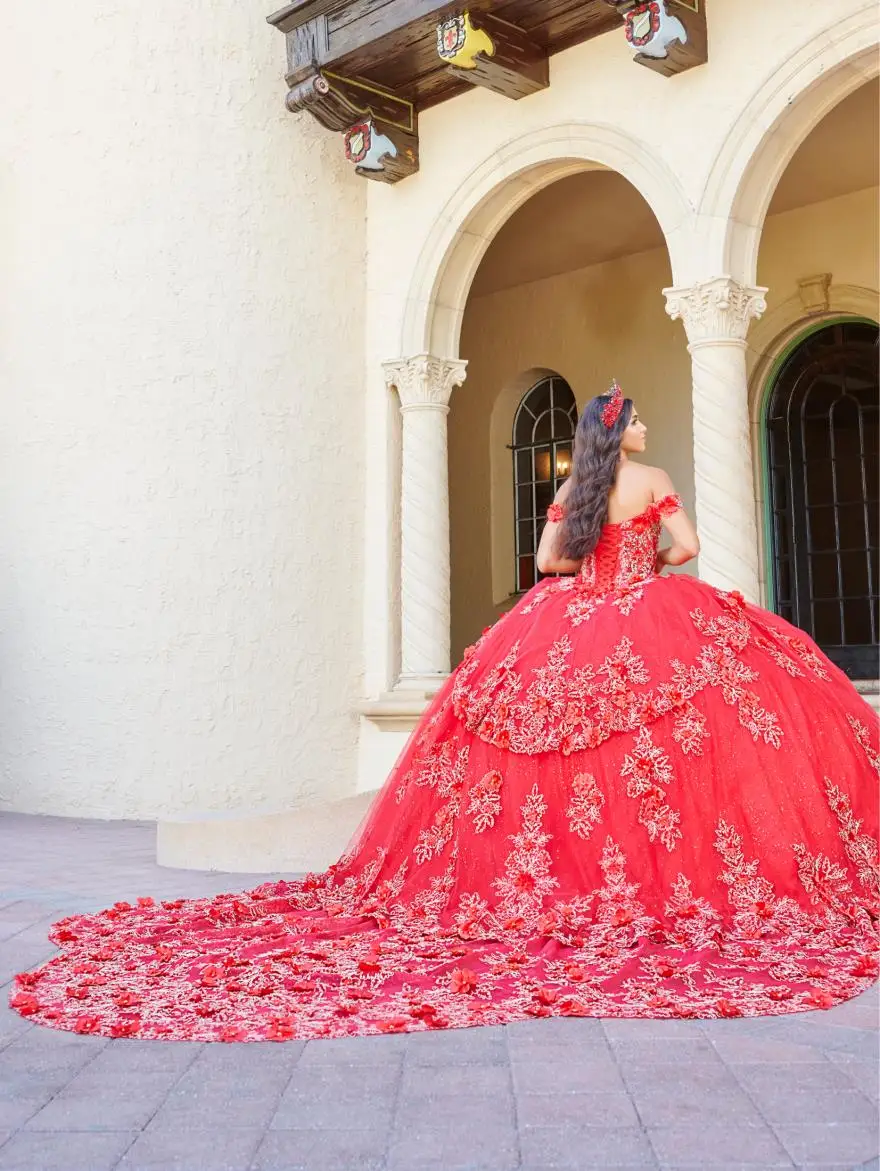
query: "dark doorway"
822, 452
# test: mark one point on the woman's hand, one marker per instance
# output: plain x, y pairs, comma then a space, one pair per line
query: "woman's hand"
659, 562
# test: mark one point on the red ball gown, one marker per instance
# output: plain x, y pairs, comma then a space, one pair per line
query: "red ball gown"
637, 796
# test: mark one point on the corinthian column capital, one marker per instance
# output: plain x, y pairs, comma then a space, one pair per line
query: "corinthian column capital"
719, 310
424, 382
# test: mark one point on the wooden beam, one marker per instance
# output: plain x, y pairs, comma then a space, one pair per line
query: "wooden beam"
492, 53
339, 102
373, 22
301, 12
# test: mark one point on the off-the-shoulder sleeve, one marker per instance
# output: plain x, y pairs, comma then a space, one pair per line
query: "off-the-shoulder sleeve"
555, 513
666, 505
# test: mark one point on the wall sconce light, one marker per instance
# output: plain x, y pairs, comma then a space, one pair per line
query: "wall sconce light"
563, 465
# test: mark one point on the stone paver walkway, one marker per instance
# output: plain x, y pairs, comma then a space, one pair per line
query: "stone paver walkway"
797, 1091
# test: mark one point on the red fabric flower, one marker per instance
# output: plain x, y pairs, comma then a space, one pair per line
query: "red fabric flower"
25, 1003
463, 980
281, 1029
126, 998
126, 1028
727, 1008
88, 1023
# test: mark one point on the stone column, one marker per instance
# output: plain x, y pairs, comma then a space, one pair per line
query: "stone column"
424, 385
716, 315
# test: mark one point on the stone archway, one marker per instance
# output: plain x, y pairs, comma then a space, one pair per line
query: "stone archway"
502, 184
771, 127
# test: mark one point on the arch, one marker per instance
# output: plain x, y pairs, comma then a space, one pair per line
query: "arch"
500, 185
770, 341
792, 456
781, 113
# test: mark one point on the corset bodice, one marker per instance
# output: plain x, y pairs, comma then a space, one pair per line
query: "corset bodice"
627, 551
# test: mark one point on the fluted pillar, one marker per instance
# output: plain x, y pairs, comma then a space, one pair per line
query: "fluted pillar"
424, 385
716, 315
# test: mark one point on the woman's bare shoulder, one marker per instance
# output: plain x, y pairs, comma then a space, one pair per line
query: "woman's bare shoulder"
659, 481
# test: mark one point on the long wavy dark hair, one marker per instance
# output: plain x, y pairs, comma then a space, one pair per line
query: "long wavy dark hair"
594, 471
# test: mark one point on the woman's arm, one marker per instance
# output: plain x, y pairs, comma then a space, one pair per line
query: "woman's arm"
548, 559
685, 542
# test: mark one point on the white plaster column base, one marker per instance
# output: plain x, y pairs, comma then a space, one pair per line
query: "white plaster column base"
716, 315
305, 839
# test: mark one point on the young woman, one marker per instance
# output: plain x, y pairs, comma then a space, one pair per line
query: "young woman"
637, 796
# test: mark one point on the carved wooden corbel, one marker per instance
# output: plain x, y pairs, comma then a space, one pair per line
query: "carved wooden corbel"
381, 129
493, 54
338, 102
668, 36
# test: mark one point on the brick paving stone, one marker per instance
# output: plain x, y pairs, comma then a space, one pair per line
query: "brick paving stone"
675, 1051
216, 1149
710, 1144
818, 1077
600, 1109
15, 1112
676, 1096
458, 1047
833, 1107
345, 1080
824, 1034
461, 1111
575, 1148
106, 1102
550, 1077
433, 1081
864, 1076
12, 1025
31, 1151
491, 1147
812, 1144
354, 1051
133, 1057
642, 1030
757, 1051
339, 1150
529, 1050
245, 1056
325, 1112
572, 1031
220, 1105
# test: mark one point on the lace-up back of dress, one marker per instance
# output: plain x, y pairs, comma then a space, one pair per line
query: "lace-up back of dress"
627, 551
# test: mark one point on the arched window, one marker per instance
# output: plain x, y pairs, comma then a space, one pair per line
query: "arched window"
543, 435
822, 455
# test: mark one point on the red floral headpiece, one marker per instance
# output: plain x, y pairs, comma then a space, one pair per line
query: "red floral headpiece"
611, 410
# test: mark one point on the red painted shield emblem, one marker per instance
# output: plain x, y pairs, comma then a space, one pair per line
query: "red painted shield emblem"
642, 23
358, 140
450, 36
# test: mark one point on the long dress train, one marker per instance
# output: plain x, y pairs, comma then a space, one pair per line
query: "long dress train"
637, 796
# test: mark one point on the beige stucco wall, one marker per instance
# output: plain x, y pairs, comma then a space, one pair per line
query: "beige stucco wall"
837, 236
589, 326
181, 426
